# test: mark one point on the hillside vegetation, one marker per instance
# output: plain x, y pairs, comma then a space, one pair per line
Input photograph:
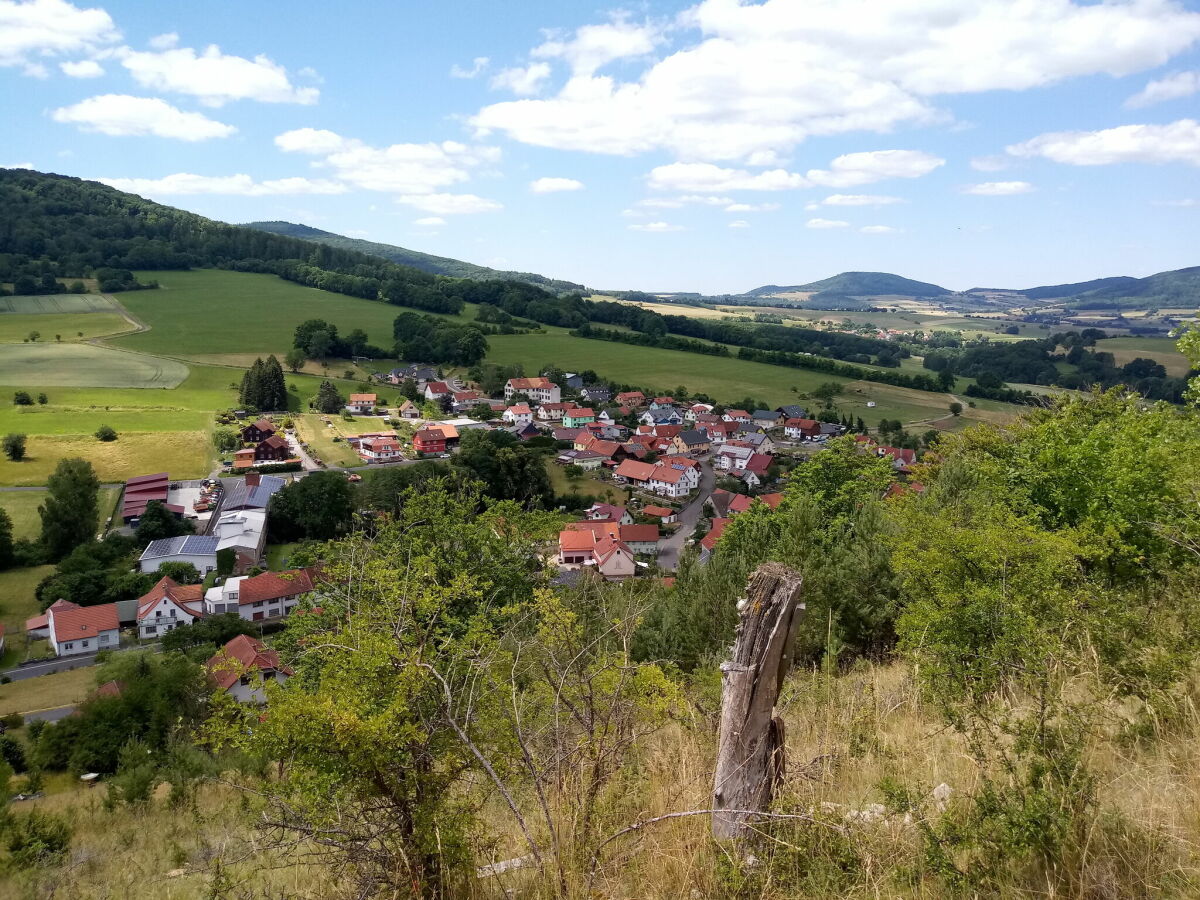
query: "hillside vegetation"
437, 265
859, 284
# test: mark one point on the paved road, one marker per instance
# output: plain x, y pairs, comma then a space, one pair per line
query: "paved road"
49, 715
669, 550
67, 663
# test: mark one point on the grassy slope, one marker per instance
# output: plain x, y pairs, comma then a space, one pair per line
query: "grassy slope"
587, 484
17, 600
1161, 350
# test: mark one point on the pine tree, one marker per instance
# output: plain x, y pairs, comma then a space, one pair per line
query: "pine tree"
252, 386
274, 387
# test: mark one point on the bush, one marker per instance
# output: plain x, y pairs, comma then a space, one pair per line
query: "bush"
106, 433
22, 398
14, 447
12, 721
37, 839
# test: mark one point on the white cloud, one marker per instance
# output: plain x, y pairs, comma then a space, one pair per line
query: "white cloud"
214, 77
523, 81
310, 140
879, 229
751, 81
826, 223
994, 163
164, 41
708, 177
449, 204
122, 115
594, 46
416, 173
429, 221
751, 207
654, 227
44, 28
860, 200
83, 68
854, 169
478, 64
739, 223
632, 213
1176, 142
554, 185
998, 188
1182, 203
185, 183
1174, 87
22, 165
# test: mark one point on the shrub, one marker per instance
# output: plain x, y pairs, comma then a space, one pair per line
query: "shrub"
12, 721
37, 839
12, 752
22, 398
14, 447
106, 433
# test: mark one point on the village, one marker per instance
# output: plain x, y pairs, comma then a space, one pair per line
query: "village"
685, 468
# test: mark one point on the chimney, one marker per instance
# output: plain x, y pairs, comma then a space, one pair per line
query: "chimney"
252, 479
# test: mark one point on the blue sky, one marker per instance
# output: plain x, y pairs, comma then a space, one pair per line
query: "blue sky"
710, 147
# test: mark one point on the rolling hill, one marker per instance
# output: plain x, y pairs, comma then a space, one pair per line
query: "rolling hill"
436, 265
1178, 287
858, 284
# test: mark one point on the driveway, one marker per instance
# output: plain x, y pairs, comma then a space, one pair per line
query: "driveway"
49, 715
689, 516
306, 462
66, 663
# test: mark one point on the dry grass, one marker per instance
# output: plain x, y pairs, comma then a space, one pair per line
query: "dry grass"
46, 691
844, 735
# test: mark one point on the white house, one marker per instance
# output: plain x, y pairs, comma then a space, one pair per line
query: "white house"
362, 403
244, 532
733, 459
518, 414
674, 481
380, 449
84, 629
168, 605
259, 598
198, 549
436, 390
244, 666
539, 390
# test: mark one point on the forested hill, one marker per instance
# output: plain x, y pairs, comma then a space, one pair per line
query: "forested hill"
1058, 291
1179, 287
436, 265
53, 226
858, 284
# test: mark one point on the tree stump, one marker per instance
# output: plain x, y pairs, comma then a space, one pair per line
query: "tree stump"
750, 753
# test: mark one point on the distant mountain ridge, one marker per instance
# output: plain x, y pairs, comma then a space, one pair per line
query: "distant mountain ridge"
426, 262
858, 284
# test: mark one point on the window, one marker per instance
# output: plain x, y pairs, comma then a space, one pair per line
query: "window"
104, 638
85, 643
70, 646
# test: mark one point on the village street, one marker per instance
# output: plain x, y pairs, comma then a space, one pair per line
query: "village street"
670, 548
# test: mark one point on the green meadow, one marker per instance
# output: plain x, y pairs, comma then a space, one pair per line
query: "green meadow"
16, 327
1161, 350
79, 365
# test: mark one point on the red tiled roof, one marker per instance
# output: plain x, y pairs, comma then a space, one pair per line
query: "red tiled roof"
274, 441
772, 500
363, 398
144, 479
41, 621
709, 541
668, 474
181, 595
241, 655
524, 384
659, 511
84, 622
438, 387
274, 585
579, 412
637, 471
758, 463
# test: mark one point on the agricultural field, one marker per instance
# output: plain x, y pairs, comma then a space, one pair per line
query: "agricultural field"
207, 312
22, 508
185, 454
1161, 350
16, 327
77, 365
61, 304
312, 430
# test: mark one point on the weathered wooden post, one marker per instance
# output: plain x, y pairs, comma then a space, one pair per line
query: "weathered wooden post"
750, 754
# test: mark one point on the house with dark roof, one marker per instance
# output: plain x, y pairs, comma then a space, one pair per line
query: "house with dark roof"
143, 490
607, 512
258, 431
275, 448
792, 411
691, 442
766, 418
243, 667
801, 429
252, 492
198, 549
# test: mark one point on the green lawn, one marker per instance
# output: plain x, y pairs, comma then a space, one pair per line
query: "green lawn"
22, 508
15, 327
277, 555
587, 484
312, 430
17, 600
78, 365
